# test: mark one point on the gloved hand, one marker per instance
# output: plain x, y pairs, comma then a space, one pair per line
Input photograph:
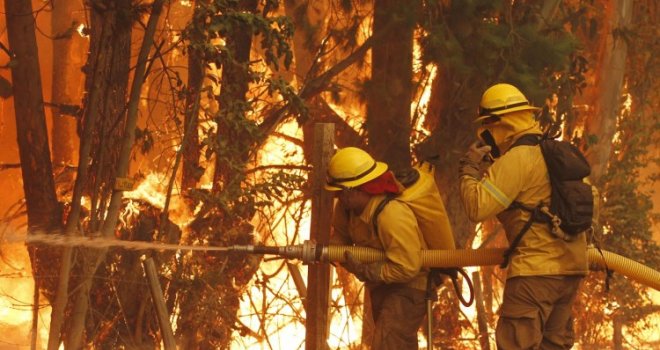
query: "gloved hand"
363, 272
469, 164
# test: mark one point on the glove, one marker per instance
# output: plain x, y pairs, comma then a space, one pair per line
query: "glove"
363, 272
470, 163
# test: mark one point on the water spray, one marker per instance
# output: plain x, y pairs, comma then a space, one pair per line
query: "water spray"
310, 252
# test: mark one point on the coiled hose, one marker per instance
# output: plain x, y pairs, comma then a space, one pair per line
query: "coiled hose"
482, 257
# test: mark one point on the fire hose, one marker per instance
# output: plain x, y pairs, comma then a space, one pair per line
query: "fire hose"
310, 252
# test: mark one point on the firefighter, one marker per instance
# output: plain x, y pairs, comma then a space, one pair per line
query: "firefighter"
397, 285
544, 272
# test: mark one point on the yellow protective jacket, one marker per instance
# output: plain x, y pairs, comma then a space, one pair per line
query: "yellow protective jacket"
399, 233
521, 174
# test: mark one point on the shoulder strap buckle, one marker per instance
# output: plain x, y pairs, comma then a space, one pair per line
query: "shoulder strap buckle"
555, 224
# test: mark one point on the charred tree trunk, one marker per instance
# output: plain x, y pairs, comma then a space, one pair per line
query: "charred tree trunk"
389, 91
67, 87
308, 18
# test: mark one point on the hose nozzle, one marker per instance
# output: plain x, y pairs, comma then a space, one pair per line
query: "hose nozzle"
308, 251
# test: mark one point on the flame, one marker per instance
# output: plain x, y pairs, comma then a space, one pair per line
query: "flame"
82, 30
153, 189
420, 104
16, 298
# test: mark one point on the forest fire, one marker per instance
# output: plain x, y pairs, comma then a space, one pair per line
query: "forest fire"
170, 131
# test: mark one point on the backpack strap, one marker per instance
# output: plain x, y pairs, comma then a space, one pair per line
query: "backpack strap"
521, 233
528, 140
374, 219
536, 213
407, 178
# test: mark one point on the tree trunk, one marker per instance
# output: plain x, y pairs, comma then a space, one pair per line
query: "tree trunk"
191, 171
450, 113
606, 96
67, 87
107, 83
617, 331
110, 222
389, 91
234, 86
43, 210
450, 116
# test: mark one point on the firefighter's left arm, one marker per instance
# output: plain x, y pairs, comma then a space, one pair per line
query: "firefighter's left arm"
498, 188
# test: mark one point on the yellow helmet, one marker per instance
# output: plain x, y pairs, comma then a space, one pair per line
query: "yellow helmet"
501, 99
351, 167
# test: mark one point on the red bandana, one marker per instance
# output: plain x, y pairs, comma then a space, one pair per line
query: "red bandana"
385, 183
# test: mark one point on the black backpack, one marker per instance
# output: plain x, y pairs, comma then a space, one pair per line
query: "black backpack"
571, 201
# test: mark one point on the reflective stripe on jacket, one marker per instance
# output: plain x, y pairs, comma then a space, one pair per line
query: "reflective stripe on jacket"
521, 175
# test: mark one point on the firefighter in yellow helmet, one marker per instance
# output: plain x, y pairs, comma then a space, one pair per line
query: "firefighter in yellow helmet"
397, 285
544, 272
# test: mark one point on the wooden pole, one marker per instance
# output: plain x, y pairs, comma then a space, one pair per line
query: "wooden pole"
318, 277
481, 312
159, 304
